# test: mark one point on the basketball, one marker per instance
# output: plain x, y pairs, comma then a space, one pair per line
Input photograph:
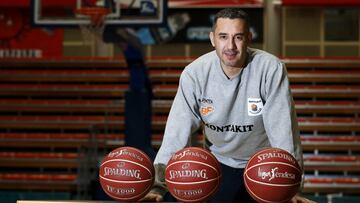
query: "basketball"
272, 175
126, 174
192, 175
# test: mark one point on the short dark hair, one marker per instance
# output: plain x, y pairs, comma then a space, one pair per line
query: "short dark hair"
232, 13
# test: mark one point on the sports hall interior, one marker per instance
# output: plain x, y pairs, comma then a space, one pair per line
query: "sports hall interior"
63, 94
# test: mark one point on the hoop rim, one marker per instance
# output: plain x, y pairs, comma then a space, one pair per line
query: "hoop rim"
92, 11
96, 14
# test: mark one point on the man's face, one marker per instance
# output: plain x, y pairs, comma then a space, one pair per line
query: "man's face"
230, 39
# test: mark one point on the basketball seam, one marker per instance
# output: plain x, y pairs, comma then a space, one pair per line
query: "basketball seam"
124, 160
273, 162
202, 198
246, 185
269, 148
207, 153
125, 181
192, 183
217, 172
132, 198
272, 184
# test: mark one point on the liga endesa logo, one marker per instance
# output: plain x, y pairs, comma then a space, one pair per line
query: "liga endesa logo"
275, 173
188, 152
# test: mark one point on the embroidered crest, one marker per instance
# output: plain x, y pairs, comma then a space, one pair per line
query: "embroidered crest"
255, 106
206, 106
206, 110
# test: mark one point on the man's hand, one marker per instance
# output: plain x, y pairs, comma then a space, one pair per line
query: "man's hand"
299, 199
152, 197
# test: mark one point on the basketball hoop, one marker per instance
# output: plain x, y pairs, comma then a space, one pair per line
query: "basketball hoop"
96, 26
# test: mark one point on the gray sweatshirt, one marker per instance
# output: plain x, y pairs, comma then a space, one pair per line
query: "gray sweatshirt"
251, 111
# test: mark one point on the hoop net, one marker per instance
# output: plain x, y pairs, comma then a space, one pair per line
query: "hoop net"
96, 26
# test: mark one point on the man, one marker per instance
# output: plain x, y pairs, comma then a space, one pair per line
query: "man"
242, 97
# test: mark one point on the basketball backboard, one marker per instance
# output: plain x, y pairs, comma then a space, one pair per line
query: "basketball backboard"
122, 12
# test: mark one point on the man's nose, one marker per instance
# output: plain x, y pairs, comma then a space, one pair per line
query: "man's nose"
231, 43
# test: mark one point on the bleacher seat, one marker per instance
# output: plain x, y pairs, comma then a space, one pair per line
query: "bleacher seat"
331, 143
31, 181
332, 184
39, 159
342, 163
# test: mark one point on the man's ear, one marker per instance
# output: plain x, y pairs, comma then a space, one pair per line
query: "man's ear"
250, 36
211, 36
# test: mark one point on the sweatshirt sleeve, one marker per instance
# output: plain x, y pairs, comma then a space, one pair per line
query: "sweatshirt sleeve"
183, 121
279, 114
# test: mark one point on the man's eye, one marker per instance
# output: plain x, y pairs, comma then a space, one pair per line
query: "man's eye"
222, 37
239, 38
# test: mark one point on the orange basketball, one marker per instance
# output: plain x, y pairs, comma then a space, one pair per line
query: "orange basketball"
272, 175
126, 174
192, 175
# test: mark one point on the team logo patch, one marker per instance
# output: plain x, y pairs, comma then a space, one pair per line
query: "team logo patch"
206, 110
255, 106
